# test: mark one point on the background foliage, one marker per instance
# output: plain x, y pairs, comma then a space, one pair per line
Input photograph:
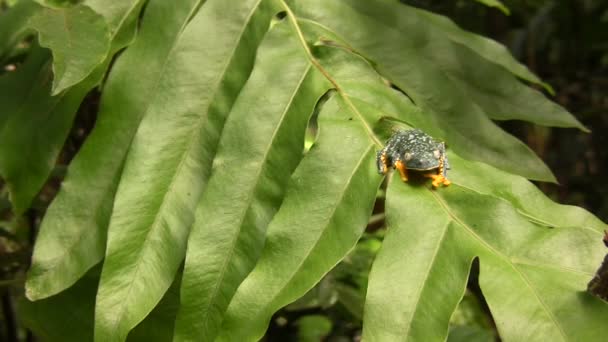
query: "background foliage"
187, 209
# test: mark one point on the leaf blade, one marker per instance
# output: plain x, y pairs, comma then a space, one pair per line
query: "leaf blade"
496, 4
261, 145
75, 55
415, 254
28, 154
424, 80
14, 25
81, 230
169, 161
299, 251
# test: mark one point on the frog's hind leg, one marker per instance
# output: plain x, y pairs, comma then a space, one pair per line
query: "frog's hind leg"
382, 162
400, 165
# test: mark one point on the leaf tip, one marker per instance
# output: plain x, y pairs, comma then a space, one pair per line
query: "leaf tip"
30, 292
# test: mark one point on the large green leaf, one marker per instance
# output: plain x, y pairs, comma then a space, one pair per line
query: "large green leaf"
427, 65
170, 160
72, 237
527, 270
78, 38
261, 145
324, 213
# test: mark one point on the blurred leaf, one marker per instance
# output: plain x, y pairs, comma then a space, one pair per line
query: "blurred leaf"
352, 299
496, 4
467, 333
261, 145
37, 123
158, 325
313, 328
469, 322
65, 317
170, 159
14, 25
323, 296
72, 236
78, 38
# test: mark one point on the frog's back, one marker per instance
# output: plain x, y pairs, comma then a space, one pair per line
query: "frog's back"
419, 150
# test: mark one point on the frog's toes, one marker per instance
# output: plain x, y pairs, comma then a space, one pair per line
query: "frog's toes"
438, 180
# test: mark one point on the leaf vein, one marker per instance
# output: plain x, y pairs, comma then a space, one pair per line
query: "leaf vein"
179, 167
250, 195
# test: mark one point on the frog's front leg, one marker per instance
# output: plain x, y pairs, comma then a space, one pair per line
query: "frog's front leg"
382, 162
400, 165
440, 177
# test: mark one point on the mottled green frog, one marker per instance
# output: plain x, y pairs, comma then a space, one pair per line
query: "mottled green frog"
415, 150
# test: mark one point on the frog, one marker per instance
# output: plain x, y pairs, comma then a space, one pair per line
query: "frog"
415, 150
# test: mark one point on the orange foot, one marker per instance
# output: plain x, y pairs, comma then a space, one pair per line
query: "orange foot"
438, 180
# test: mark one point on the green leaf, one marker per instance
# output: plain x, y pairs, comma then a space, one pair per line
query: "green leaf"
419, 266
26, 172
496, 4
121, 18
17, 83
526, 270
324, 212
523, 195
426, 76
14, 25
170, 160
261, 145
116, 13
313, 328
503, 98
79, 39
72, 236
30, 106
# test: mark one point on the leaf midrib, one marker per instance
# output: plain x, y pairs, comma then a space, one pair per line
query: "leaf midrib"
426, 278
327, 221
315, 62
154, 223
250, 195
502, 256
75, 242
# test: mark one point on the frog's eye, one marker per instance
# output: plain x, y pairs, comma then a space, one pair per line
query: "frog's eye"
437, 154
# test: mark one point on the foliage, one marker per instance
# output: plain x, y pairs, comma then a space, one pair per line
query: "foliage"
193, 212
